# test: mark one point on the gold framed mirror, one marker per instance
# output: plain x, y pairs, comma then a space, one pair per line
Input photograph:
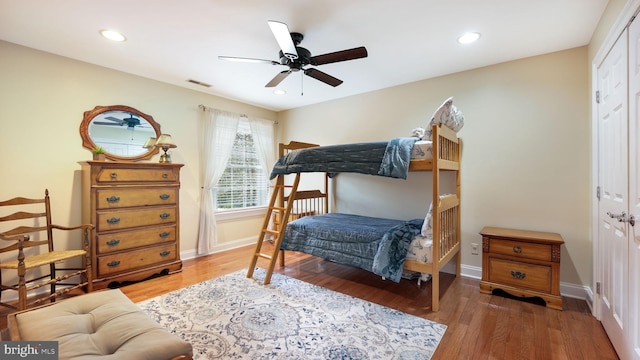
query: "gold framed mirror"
121, 131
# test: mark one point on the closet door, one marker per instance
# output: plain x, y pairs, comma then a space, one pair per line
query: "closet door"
613, 180
634, 188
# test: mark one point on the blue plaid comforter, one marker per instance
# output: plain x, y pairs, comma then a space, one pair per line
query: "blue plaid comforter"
375, 244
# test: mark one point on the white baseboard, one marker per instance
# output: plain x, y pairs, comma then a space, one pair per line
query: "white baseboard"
191, 254
474, 272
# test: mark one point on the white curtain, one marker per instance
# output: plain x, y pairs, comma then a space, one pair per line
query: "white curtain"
220, 128
264, 138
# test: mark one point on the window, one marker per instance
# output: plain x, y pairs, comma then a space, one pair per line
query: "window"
243, 183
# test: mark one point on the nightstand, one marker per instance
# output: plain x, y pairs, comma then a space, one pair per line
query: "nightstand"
522, 263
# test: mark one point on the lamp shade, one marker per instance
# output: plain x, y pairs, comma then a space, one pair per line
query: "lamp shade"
165, 141
151, 142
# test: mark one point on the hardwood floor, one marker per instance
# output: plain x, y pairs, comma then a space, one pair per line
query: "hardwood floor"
480, 326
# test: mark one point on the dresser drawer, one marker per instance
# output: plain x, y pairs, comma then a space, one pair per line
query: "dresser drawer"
123, 240
111, 264
119, 198
114, 175
108, 220
520, 274
520, 249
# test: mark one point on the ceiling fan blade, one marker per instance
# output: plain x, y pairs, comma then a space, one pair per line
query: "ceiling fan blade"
324, 77
114, 119
241, 59
344, 55
278, 78
105, 123
283, 37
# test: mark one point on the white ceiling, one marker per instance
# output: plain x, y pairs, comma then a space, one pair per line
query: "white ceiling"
407, 40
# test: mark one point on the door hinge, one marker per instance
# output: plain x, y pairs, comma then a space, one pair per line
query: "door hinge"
598, 288
598, 193
597, 96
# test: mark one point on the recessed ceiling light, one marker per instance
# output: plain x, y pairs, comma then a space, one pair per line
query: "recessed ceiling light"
279, 92
468, 38
113, 35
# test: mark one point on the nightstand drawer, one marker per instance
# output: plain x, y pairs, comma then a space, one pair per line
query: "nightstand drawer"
120, 198
525, 250
123, 240
116, 175
520, 274
111, 264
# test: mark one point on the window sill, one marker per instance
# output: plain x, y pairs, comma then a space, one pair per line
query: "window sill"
240, 214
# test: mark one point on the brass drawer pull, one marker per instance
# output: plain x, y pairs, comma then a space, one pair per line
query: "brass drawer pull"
518, 275
165, 253
164, 196
113, 199
165, 176
114, 263
113, 220
164, 234
164, 216
113, 242
517, 249
114, 175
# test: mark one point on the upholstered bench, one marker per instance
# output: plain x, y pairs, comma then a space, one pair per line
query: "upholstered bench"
103, 325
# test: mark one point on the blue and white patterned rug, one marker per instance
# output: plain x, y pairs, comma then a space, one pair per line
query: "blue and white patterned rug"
233, 317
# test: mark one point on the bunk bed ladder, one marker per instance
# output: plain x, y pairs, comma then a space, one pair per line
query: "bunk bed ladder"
274, 208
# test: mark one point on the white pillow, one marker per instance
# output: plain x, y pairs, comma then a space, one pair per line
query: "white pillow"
447, 114
427, 226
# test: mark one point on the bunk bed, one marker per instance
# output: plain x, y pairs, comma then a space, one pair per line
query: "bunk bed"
300, 220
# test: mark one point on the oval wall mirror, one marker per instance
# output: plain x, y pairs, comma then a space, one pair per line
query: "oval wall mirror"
120, 130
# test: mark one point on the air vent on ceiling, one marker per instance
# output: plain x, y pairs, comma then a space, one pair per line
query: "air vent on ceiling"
199, 83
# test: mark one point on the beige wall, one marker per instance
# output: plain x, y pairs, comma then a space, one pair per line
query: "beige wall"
610, 15
526, 159
43, 97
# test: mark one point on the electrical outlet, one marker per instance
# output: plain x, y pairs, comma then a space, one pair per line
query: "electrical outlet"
475, 249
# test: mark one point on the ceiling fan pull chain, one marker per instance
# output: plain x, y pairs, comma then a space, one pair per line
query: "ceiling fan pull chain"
301, 84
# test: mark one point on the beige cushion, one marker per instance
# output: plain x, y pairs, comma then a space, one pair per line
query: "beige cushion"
101, 325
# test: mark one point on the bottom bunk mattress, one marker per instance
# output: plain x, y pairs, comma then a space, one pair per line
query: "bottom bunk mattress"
375, 244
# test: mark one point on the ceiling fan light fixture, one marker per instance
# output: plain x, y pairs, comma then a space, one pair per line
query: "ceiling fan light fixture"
279, 92
468, 38
113, 35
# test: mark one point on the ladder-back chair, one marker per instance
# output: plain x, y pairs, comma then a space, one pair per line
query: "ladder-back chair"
28, 260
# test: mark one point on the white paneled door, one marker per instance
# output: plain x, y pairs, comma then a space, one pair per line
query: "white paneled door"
634, 189
613, 182
618, 258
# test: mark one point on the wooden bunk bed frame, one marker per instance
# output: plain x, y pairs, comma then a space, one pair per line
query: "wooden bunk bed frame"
288, 204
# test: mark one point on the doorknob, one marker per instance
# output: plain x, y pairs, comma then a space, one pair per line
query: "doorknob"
623, 218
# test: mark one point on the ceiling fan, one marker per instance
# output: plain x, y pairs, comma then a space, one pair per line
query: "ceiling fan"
296, 57
131, 121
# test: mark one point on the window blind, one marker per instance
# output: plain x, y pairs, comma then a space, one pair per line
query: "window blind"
243, 183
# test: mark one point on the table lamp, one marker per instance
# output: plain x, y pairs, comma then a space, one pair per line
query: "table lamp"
165, 142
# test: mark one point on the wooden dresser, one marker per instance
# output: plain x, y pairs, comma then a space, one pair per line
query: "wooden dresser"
135, 208
522, 263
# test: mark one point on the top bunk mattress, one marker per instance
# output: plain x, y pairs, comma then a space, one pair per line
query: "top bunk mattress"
422, 150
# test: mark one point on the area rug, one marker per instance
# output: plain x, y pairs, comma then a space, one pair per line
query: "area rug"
233, 317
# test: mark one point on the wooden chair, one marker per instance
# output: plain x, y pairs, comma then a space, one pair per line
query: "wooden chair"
27, 253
